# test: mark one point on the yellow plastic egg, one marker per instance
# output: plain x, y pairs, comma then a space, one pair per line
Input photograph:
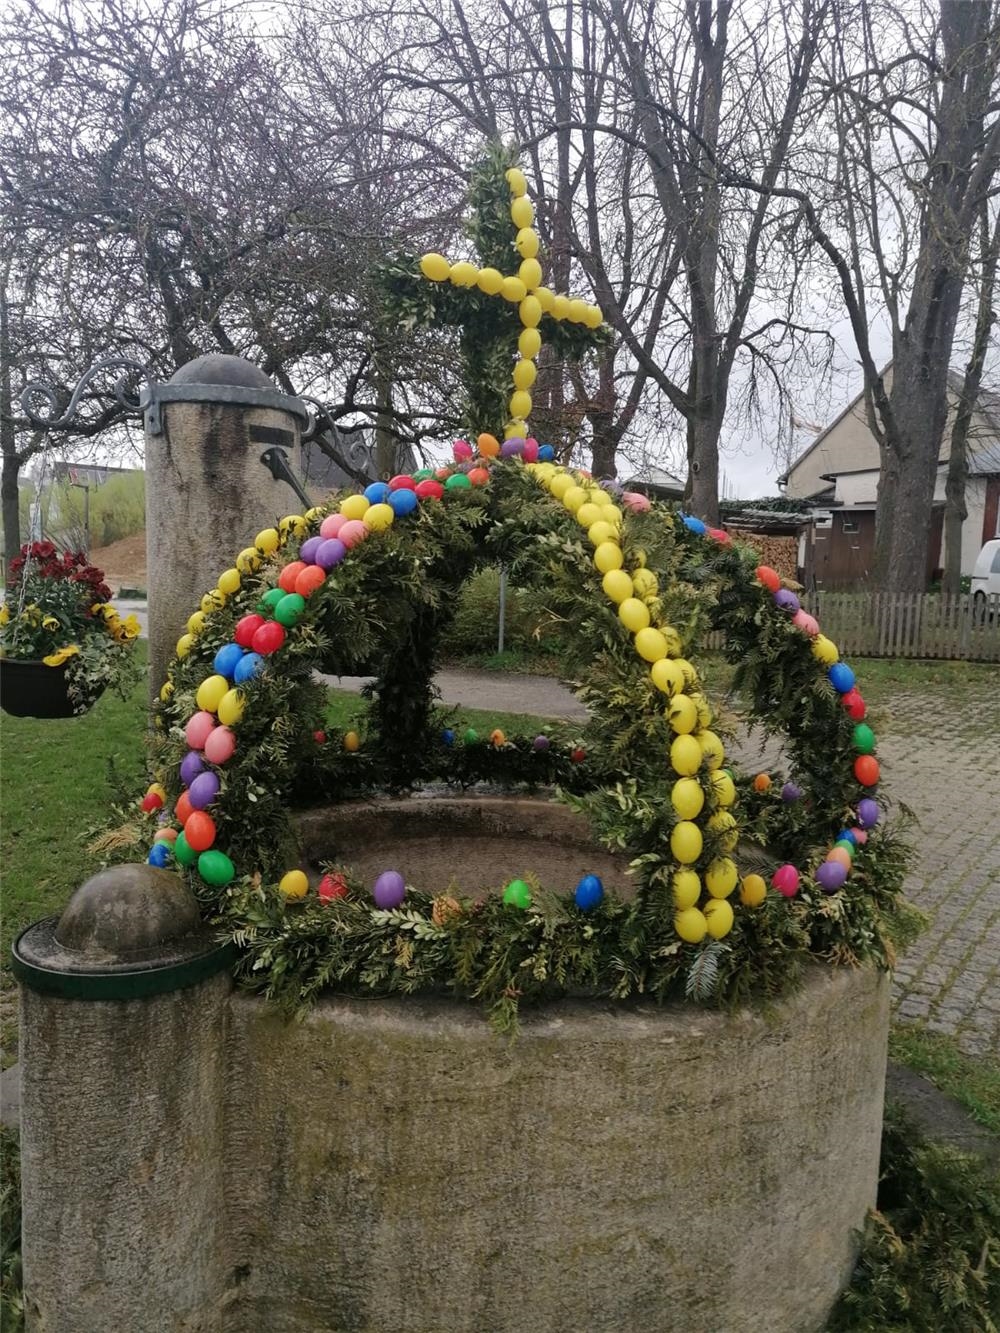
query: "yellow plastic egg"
704, 709
682, 714
616, 583
463, 274
213, 601
690, 675
230, 708
525, 373
530, 273
574, 497
210, 692
354, 506
691, 925
529, 311
711, 748
718, 918
293, 884
520, 403
721, 877
315, 514
577, 310
434, 266
588, 513
560, 483
560, 307
229, 581
645, 583
526, 242
292, 525
515, 429
724, 825
601, 532
724, 788
521, 213
685, 756
196, 622
667, 676
825, 650
650, 644
687, 798
352, 742
545, 298
633, 614
612, 514
378, 517
608, 558
594, 317
529, 341
184, 645
686, 841
513, 289
753, 891
166, 690
489, 280
514, 177
674, 646
687, 888
248, 560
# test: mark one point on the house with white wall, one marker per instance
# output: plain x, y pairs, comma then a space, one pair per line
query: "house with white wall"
838, 474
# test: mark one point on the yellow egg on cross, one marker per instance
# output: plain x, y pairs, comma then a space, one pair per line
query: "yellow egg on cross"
166, 690
526, 242
230, 708
685, 756
354, 506
704, 709
718, 918
721, 877
724, 788
690, 675
691, 925
607, 558
650, 644
513, 289
378, 517
530, 311
229, 581
520, 403
711, 748
316, 514
824, 650
515, 430
544, 296
601, 531
686, 841
525, 373
463, 274
210, 692
687, 888
616, 583
529, 341
724, 826
594, 317
560, 484
633, 614
530, 273
587, 514
574, 497
489, 281
577, 311
514, 177
682, 714
687, 798
521, 213
560, 307
434, 266
667, 676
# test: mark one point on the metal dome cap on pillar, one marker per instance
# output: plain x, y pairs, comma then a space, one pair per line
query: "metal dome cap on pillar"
217, 377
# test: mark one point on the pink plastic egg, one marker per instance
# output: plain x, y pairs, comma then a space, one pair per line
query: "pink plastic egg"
220, 745
786, 880
806, 623
353, 532
636, 502
331, 525
198, 730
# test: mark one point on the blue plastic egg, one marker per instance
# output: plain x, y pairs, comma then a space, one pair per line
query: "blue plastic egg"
546, 453
694, 524
448, 736
589, 893
841, 677
377, 493
159, 855
251, 665
227, 659
403, 501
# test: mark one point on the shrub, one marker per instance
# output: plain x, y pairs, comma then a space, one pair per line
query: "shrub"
473, 631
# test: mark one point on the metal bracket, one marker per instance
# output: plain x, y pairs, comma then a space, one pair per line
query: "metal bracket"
50, 420
276, 462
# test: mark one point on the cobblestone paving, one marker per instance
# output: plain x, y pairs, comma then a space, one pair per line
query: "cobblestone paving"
944, 763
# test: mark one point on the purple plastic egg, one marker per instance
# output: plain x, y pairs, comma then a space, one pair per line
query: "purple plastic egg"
309, 549
510, 448
611, 486
830, 876
191, 765
786, 599
330, 553
540, 743
204, 790
791, 792
868, 812
389, 890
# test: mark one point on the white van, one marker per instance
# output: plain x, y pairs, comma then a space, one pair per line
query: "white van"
986, 575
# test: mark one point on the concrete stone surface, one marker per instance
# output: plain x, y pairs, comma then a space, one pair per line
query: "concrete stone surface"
396, 1166
121, 1133
207, 494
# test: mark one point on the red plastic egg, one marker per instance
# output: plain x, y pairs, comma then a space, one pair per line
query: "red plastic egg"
429, 489
268, 638
287, 577
199, 829
402, 483
478, 476
309, 580
246, 628
183, 809
770, 578
866, 770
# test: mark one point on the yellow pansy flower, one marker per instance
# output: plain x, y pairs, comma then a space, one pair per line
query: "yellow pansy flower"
50, 622
4, 614
61, 655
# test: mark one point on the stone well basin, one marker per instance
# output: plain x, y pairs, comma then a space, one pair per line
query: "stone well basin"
472, 843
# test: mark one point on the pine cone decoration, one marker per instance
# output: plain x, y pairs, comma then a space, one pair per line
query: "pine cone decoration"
445, 909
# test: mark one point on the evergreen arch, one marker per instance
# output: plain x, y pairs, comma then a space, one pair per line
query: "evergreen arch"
737, 881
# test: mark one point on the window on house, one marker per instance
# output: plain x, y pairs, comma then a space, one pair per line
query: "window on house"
850, 525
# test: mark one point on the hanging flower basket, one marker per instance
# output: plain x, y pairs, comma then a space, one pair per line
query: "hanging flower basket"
33, 689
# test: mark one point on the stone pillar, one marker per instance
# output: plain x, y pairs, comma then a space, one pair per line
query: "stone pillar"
207, 491
123, 1006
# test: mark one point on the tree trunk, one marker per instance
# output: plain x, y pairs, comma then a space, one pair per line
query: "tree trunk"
8, 443
385, 439
702, 492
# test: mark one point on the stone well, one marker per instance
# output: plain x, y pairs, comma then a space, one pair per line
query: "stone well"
193, 1162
